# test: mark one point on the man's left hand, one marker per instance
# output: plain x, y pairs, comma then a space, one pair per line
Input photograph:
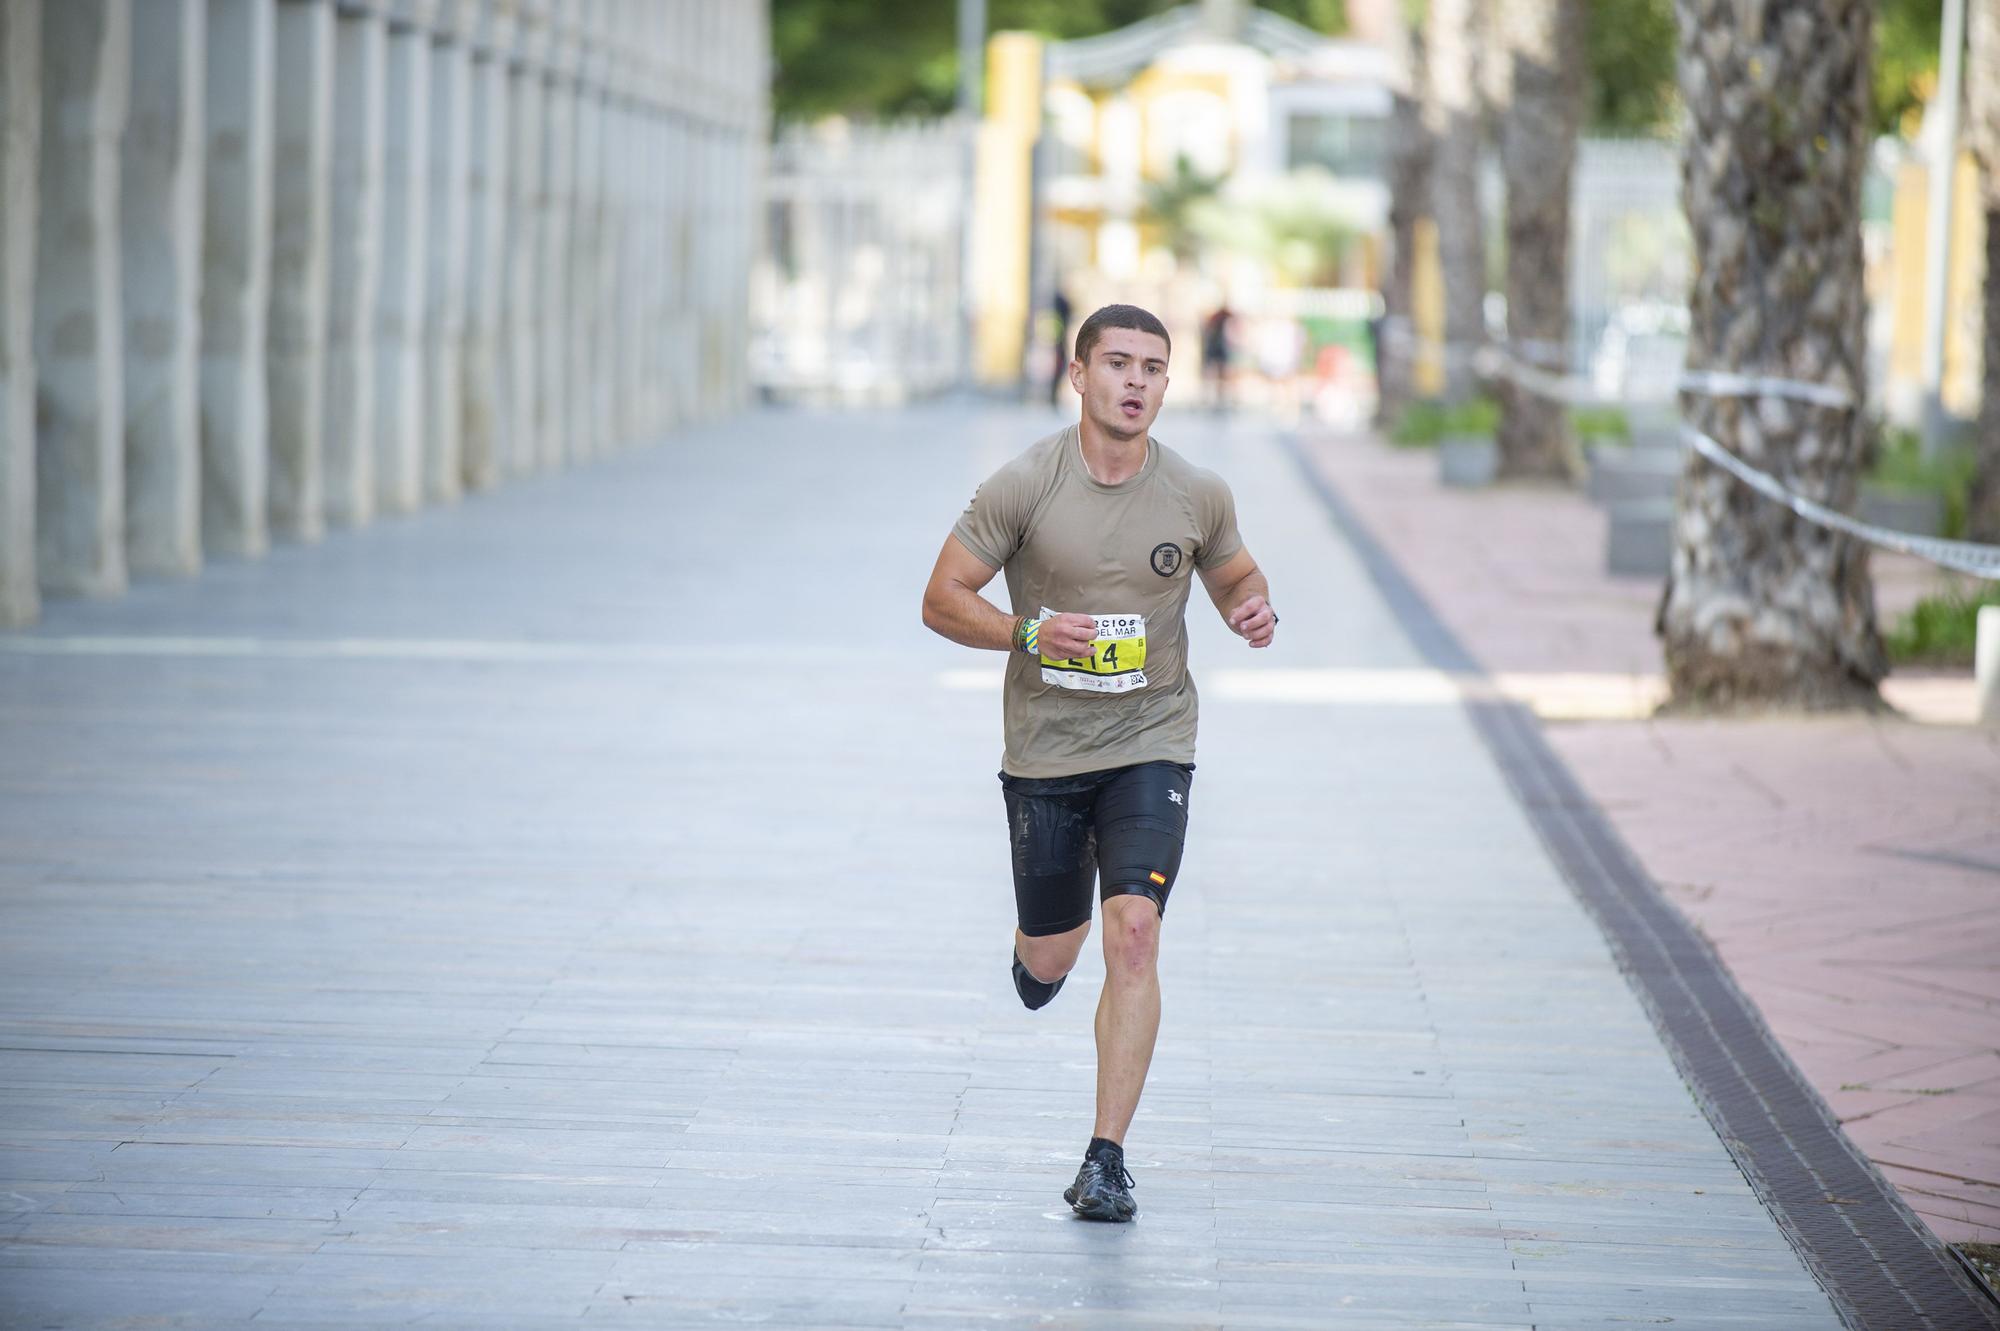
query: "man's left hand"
1254, 621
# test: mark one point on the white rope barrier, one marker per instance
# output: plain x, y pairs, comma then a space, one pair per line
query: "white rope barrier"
1970, 557
1722, 383
1981, 561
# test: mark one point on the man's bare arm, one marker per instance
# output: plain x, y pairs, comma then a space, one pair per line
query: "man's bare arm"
954, 609
1240, 592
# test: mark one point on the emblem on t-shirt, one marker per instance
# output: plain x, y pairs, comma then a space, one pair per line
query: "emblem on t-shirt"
1167, 559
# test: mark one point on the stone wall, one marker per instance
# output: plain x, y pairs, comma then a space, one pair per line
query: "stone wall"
268, 266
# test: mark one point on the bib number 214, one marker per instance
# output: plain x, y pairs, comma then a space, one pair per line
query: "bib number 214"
1117, 660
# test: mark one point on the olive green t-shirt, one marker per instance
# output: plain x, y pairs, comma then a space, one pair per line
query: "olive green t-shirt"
1124, 553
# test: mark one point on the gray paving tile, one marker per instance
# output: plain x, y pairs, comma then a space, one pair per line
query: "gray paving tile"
626, 987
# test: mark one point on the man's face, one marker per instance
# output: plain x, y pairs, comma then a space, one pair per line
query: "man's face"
1123, 382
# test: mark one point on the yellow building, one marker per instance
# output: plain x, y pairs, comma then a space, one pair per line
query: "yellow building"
1078, 131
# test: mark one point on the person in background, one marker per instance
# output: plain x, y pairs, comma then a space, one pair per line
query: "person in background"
1215, 357
1061, 312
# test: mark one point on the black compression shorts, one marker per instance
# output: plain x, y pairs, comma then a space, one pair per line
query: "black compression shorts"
1124, 826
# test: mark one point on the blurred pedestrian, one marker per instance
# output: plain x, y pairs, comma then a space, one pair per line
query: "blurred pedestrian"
1215, 331
1107, 526
1061, 313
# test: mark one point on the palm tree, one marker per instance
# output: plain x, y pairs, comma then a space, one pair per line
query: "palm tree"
1982, 83
1452, 115
1409, 169
1762, 608
1541, 44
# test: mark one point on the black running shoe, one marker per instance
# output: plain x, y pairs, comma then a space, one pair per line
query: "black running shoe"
1103, 1190
1033, 992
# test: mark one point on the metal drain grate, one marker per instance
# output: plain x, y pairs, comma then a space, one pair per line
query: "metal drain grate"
1882, 1268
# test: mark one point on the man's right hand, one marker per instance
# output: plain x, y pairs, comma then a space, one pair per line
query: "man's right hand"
1068, 637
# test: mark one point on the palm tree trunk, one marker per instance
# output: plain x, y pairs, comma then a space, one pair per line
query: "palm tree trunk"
1982, 84
1409, 169
1762, 608
1452, 114
1982, 508
1542, 41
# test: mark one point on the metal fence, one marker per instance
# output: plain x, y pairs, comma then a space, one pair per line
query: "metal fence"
856, 296
1630, 264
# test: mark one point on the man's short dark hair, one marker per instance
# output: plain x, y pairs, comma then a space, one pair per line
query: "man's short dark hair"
1118, 316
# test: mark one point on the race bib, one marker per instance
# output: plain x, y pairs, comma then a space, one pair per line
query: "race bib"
1117, 660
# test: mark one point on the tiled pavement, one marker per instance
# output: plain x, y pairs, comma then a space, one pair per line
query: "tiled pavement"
1846, 869
590, 905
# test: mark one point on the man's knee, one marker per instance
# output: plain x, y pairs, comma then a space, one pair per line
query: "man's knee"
1051, 956
1131, 935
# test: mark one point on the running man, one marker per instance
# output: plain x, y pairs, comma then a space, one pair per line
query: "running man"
1099, 529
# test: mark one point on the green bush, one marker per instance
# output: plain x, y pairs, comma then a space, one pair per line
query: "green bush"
1424, 423
1900, 465
1600, 423
1941, 630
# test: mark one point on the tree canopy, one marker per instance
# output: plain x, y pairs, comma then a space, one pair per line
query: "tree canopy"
836, 57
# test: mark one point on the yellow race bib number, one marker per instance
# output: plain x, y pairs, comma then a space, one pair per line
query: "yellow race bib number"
1117, 660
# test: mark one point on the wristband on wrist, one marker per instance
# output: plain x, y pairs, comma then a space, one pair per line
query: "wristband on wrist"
1027, 636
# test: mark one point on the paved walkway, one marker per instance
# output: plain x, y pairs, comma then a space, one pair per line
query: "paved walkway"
1844, 867
590, 904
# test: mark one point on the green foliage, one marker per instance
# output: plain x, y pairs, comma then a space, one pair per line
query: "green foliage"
1600, 423
1630, 47
846, 57
1426, 422
1298, 225
1171, 205
1900, 465
1941, 630
836, 57
1327, 16
1907, 36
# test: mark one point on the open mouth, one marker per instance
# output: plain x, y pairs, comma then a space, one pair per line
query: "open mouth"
1132, 406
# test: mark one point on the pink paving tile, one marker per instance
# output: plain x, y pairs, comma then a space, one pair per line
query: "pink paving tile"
1974, 1196
1973, 1074
1904, 1065
1977, 981
1844, 1063
1958, 1129
1806, 849
1851, 1107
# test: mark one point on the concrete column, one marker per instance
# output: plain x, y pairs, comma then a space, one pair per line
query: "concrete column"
651, 245
586, 227
627, 176
642, 244
681, 203
301, 219
236, 275
730, 188
742, 237
451, 146
20, 195
79, 318
522, 315
659, 244
360, 71
708, 260
488, 206
682, 295
558, 190
403, 300
708, 268
161, 191
611, 171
